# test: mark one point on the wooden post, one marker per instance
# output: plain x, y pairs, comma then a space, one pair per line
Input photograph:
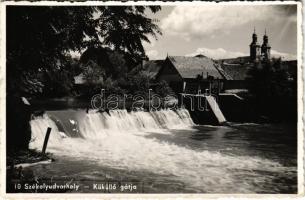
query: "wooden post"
46, 139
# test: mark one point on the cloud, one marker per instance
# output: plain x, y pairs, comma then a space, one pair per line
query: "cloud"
201, 21
284, 56
219, 53
152, 54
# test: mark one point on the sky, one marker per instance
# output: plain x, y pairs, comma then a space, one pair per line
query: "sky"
223, 31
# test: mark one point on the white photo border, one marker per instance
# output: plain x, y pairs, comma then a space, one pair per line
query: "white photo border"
300, 125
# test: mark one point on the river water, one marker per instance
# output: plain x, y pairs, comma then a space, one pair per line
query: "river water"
165, 152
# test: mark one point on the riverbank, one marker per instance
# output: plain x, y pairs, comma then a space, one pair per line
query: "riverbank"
17, 167
26, 156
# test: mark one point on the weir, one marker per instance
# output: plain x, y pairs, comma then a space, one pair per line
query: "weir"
203, 108
79, 124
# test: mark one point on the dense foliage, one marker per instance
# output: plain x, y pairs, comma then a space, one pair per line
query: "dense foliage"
40, 38
274, 93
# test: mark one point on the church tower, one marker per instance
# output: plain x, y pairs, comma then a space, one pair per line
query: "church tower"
265, 49
254, 48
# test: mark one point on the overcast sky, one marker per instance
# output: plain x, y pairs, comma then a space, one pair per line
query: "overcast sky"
223, 31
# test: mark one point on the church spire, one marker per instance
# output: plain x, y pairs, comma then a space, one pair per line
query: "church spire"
265, 48
254, 36
265, 38
254, 47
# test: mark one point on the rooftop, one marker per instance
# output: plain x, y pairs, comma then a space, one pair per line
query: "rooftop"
235, 71
190, 67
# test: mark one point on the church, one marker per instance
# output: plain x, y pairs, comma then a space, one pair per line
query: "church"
236, 69
259, 52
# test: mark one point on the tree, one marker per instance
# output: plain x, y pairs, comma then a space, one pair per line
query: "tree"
103, 62
138, 83
273, 93
40, 37
125, 27
269, 80
163, 89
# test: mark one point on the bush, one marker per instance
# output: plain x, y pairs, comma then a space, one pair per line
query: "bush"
163, 89
138, 83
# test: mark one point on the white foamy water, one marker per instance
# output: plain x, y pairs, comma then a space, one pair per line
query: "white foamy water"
120, 141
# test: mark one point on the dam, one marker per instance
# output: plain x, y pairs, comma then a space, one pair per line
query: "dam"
163, 150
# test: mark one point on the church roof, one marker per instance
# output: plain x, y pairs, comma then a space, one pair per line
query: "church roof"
190, 67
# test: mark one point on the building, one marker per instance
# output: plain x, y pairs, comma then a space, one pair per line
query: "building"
236, 77
254, 48
237, 69
266, 48
258, 52
191, 74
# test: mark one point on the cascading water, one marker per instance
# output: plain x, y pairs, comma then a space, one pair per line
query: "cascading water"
131, 141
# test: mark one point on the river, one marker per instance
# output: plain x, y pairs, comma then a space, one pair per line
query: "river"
165, 152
